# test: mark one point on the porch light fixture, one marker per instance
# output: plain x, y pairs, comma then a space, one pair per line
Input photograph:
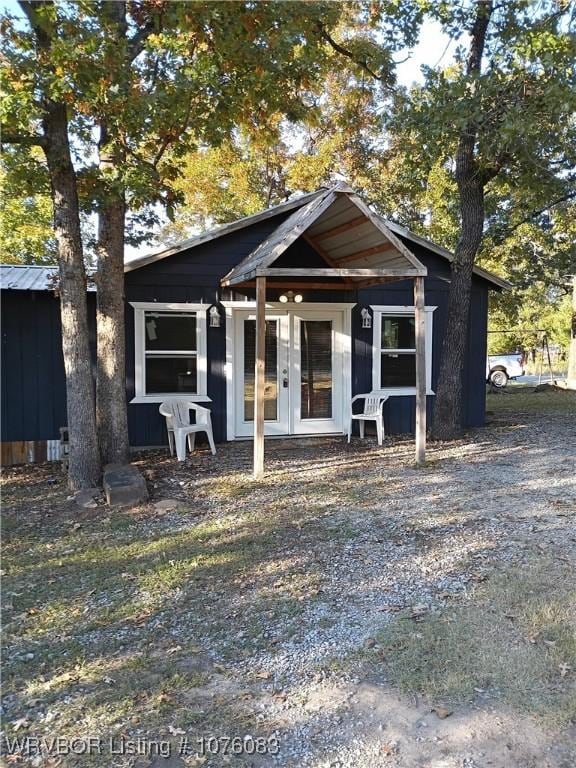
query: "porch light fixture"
366, 318
214, 313
290, 296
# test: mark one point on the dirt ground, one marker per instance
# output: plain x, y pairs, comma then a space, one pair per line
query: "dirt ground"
350, 610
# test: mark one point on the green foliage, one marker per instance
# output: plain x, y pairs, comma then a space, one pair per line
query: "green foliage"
168, 79
26, 230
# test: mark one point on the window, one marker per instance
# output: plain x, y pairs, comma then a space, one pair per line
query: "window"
394, 350
170, 351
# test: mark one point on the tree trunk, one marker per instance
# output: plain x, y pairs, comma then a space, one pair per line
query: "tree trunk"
111, 409
448, 411
84, 463
572, 349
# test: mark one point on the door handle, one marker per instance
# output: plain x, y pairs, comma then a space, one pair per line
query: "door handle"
285, 383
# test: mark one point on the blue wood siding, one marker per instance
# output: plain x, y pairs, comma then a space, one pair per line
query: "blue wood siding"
33, 384
33, 391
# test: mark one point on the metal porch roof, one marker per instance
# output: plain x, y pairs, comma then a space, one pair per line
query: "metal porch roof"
354, 242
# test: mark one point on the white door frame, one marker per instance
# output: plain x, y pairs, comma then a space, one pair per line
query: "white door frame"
343, 348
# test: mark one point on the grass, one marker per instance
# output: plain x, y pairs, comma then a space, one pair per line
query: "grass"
513, 639
136, 621
110, 616
526, 400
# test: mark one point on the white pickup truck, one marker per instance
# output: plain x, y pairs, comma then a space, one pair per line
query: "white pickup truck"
501, 368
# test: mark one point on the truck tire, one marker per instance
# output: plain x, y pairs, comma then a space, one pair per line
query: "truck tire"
498, 378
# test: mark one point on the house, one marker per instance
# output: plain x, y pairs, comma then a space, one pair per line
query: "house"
339, 320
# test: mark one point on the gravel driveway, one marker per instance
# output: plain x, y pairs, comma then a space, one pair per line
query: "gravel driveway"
270, 600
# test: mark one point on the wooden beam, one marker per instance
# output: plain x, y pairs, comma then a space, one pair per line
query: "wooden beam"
420, 323
335, 272
378, 281
367, 252
259, 378
359, 220
318, 248
342, 286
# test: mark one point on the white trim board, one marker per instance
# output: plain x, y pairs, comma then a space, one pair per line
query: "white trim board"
378, 310
140, 308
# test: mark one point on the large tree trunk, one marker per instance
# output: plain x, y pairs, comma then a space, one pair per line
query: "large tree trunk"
111, 410
84, 463
572, 348
448, 410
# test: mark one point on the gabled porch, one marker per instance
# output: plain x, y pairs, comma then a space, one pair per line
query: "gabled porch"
353, 248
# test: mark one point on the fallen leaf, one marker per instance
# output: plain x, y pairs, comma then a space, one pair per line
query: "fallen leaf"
263, 675
564, 669
176, 731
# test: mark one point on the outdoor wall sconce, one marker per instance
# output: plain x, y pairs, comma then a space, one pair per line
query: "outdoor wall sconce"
290, 296
214, 313
366, 318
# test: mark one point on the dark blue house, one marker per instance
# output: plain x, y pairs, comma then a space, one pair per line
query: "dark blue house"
333, 328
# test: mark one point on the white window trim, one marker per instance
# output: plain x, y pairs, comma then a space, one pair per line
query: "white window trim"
378, 310
140, 307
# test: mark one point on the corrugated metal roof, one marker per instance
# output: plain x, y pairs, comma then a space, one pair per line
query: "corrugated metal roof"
27, 278
295, 204
224, 229
16, 277
344, 231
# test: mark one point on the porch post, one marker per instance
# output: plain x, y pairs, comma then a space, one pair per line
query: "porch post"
420, 323
259, 378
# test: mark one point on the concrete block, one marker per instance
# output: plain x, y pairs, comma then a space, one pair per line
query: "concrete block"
124, 486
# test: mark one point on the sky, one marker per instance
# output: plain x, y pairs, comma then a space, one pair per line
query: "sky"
433, 47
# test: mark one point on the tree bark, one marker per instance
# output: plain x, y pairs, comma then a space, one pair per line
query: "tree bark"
111, 408
572, 349
84, 468
448, 410
84, 463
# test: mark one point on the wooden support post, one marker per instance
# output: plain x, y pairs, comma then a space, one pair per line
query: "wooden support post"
259, 378
420, 324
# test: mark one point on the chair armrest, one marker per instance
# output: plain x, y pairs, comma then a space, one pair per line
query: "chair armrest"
203, 414
197, 407
164, 412
358, 397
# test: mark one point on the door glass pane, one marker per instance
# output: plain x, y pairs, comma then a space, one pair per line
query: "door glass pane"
270, 370
316, 367
170, 331
398, 370
170, 374
398, 332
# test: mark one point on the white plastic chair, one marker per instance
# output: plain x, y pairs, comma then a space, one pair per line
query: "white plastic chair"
373, 411
179, 428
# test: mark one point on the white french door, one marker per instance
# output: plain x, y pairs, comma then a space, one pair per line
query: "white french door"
316, 373
307, 367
